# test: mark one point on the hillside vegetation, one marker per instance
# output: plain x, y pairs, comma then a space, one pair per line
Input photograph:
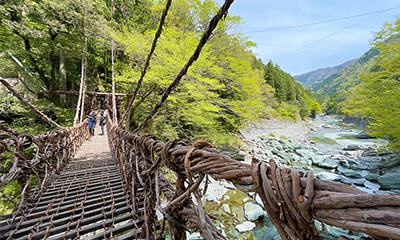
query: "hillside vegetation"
337, 87
370, 87
377, 97
295, 101
66, 42
310, 79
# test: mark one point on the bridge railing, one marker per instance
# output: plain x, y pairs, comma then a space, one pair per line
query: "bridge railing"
292, 199
36, 160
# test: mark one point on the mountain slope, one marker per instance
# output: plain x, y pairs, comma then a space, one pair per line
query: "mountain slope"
348, 76
310, 79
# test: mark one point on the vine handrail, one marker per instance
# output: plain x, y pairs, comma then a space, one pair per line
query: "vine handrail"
49, 153
292, 199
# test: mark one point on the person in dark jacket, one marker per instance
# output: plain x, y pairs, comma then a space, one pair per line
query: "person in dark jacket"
93, 119
102, 122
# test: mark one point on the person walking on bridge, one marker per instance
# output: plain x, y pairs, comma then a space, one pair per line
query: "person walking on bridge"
93, 120
88, 127
102, 122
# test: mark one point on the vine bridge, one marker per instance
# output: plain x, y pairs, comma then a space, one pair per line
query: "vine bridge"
110, 187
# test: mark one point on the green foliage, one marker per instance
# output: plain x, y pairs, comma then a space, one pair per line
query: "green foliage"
225, 87
289, 111
337, 87
313, 107
295, 102
22, 119
219, 92
377, 97
12, 190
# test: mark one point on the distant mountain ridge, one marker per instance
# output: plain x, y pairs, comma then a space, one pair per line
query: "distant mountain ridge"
348, 76
310, 79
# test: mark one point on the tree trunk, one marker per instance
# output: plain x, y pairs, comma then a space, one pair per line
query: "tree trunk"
81, 98
63, 79
83, 79
114, 102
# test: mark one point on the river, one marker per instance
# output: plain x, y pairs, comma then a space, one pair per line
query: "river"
326, 145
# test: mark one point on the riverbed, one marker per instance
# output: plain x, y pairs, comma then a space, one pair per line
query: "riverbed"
325, 145
334, 150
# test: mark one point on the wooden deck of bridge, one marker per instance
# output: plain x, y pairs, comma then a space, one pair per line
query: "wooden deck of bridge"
86, 202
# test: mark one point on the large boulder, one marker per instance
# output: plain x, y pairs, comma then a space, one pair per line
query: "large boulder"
370, 152
352, 154
245, 226
363, 135
317, 159
275, 144
353, 147
306, 153
367, 163
329, 176
329, 163
373, 186
287, 145
390, 159
372, 176
351, 181
390, 180
286, 158
302, 160
310, 155
253, 211
354, 173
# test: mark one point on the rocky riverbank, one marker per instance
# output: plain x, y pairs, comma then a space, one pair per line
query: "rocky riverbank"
333, 150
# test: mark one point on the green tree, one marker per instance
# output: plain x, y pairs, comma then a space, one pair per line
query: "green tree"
42, 31
377, 97
294, 101
270, 74
220, 90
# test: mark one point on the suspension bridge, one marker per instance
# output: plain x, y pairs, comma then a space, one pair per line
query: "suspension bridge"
111, 187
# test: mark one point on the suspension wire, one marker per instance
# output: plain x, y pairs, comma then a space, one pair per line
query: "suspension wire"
146, 66
223, 11
330, 35
325, 21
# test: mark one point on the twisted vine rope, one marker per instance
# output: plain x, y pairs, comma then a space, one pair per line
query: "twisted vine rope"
27, 103
50, 152
293, 200
147, 63
135, 156
222, 12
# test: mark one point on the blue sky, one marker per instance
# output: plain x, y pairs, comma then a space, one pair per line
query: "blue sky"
293, 49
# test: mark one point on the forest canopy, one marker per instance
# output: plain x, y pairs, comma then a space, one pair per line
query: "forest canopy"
68, 44
378, 96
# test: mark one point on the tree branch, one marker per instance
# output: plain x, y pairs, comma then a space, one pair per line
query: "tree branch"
153, 47
211, 26
24, 101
